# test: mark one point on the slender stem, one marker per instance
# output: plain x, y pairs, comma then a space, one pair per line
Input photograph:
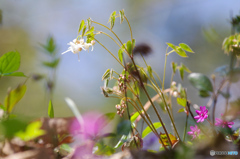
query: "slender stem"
185, 128
109, 52
164, 71
129, 27
157, 77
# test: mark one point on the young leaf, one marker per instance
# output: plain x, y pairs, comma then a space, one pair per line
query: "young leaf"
84, 30
174, 67
52, 64
111, 74
181, 72
50, 110
185, 68
106, 75
129, 47
32, 131
9, 62
81, 26
106, 81
165, 140
203, 93
136, 88
124, 127
120, 54
135, 116
112, 19
200, 81
14, 96
121, 13
181, 52
181, 110
89, 23
186, 47
182, 101
90, 31
121, 141
50, 47
172, 46
147, 130
133, 43
149, 69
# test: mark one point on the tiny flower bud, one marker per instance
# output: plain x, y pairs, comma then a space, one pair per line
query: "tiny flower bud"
175, 93
173, 83
93, 42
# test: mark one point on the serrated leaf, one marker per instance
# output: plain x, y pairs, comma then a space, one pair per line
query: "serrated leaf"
182, 101
200, 81
106, 75
18, 74
186, 47
9, 62
135, 116
52, 64
147, 130
174, 67
181, 110
14, 96
181, 52
81, 26
129, 47
50, 110
121, 14
32, 131
124, 127
120, 54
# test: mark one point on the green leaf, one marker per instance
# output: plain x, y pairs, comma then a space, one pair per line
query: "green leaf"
32, 131
81, 26
133, 43
66, 148
181, 52
182, 101
89, 23
135, 116
174, 67
181, 72
124, 127
200, 81
120, 54
106, 75
129, 47
121, 141
50, 110
172, 46
203, 93
111, 74
90, 31
136, 88
149, 69
19, 74
103, 150
181, 110
106, 81
84, 30
147, 130
9, 127
9, 62
50, 47
185, 68
121, 14
186, 47
52, 64
112, 19
14, 96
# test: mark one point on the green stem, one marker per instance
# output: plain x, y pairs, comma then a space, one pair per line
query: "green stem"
185, 128
164, 71
129, 27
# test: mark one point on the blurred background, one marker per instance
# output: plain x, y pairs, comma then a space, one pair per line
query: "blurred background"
202, 24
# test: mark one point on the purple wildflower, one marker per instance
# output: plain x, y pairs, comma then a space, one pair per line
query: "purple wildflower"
222, 123
195, 131
202, 114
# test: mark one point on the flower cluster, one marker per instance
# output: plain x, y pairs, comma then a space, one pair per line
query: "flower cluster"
78, 45
121, 108
121, 82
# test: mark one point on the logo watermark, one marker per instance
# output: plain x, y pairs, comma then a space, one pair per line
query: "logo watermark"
213, 153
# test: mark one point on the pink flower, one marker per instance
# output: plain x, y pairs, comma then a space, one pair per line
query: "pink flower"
195, 131
222, 123
202, 114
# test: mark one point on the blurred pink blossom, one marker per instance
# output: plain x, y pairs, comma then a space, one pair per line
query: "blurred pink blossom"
202, 114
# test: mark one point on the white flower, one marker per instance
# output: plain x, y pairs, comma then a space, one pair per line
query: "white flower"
78, 45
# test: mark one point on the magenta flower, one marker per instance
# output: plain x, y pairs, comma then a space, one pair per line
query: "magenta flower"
195, 131
202, 114
222, 123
